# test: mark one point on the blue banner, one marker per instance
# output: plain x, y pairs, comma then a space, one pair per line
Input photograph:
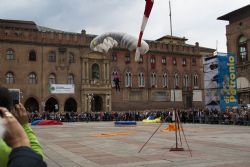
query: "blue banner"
227, 81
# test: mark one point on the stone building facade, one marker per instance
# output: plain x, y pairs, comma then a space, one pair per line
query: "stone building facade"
33, 57
238, 42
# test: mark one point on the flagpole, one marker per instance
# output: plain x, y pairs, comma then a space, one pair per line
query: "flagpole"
170, 15
171, 38
177, 121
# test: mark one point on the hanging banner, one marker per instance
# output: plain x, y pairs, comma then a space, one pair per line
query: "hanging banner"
220, 81
62, 88
227, 81
211, 91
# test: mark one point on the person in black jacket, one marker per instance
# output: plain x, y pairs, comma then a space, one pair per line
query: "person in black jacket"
21, 155
117, 81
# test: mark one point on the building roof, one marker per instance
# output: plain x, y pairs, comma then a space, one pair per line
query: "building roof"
241, 12
172, 39
47, 29
29, 25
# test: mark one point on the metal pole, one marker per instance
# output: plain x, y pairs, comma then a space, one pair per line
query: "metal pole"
170, 15
171, 35
175, 78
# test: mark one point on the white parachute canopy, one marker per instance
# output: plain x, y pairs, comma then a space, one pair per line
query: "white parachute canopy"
106, 41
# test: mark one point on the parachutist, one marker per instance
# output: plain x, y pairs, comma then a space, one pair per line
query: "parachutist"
116, 82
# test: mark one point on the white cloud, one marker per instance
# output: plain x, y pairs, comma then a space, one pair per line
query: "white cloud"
194, 19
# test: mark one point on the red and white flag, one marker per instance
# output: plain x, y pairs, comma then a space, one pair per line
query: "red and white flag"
148, 7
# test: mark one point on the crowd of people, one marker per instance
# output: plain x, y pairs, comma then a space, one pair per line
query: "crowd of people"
231, 116
19, 145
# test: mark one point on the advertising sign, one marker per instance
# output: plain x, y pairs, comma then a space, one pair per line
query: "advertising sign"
62, 88
212, 95
227, 81
220, 81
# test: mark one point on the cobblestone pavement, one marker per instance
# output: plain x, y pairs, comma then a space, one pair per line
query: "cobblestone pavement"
102, 144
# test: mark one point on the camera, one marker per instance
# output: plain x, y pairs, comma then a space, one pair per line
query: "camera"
15, 94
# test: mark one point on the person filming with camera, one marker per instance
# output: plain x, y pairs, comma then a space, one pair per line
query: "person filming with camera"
19, 143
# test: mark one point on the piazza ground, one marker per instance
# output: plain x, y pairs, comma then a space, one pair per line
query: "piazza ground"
97, 144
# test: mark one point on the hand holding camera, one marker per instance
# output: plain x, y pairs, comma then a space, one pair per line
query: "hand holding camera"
20, 113
14, 134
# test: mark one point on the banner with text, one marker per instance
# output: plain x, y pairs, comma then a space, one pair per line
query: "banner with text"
62, 88
227, 81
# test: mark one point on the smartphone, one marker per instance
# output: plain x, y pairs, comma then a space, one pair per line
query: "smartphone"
1, 128
15, 94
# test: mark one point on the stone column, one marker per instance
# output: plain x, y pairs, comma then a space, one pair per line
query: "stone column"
83, 72
87, 72
104, 73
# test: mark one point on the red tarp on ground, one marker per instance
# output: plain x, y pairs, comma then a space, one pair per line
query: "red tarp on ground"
49, 122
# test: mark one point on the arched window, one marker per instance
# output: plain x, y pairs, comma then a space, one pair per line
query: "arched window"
52, 57
127, 58
164, 60
32, 55
176, 81
70, 79
152, 60
242, 49
10, 54
185, 81
52, 78
165, 80
174, 61
32, 78
153, 79
95, 72
195, 81
184, 62
71, 58
141, 79
128, 79
10, 78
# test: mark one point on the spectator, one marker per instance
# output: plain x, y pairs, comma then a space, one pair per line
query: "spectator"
21, 155
21, 115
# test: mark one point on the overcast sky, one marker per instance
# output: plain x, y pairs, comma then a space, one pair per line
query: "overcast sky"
194, 19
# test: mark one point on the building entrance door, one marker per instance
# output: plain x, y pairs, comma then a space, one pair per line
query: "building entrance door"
97, 104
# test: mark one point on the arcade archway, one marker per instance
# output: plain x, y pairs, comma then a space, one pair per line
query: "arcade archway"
51, 105
31, 105
70, 105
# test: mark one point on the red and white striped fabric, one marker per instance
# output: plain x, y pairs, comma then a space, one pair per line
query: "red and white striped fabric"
148, 7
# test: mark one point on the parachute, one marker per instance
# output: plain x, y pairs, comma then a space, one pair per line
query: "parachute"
106, 41
148, 8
